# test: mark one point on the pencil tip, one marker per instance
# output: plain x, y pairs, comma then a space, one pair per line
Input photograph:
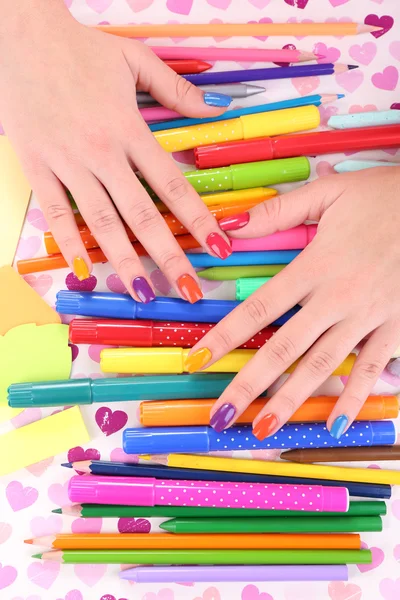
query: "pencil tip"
28, 541
37, 555
339, 96
68, 464
168, 525
57, 511
350, 67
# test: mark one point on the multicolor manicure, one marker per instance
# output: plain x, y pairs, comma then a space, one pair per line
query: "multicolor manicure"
234, 222
197, 360
142, 289
219, 245
265, 426
80, 268
189, 288
224, 415
338, 426
215, 99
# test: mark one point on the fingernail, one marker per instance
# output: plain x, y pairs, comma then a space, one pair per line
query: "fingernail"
338, 426
214, 99
143, 290
198, 359
222, 417
219, 245
81, 270
234, 222
265, 426
189, 288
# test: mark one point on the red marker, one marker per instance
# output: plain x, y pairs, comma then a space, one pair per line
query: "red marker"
147, 334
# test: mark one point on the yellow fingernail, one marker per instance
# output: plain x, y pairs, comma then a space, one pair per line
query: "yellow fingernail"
198, 359
80, 268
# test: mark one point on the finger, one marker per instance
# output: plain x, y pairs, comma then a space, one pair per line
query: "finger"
103, 220
313, 369
278, 354
370, 363
60, 218
170, 89
175, 191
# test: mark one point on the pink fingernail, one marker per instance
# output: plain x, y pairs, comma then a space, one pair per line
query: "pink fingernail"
234, 222
219, 245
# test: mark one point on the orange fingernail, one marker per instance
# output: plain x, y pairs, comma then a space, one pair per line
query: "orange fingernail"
80, 268
189, 288
265, 426
198, 359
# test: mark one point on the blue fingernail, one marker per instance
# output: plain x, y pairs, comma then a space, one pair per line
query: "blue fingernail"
213, 99
338, 426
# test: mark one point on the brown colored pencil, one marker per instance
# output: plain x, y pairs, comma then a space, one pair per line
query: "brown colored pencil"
372, 453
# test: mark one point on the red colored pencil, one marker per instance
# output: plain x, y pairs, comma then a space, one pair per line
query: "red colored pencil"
187, 66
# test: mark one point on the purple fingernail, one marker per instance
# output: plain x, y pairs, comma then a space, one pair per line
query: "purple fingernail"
222, 417
143, 290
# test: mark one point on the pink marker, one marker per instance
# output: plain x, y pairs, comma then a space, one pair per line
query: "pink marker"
143, 491
158, 113
296, 238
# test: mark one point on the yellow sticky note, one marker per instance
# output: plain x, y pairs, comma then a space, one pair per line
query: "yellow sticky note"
32, 353
15, 192
42, 439
20, 304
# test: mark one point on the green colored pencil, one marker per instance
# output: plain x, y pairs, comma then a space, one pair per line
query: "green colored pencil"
229, 273
290, 524
209, 557
361, 508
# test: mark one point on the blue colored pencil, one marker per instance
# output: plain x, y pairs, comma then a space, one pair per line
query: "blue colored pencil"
271, 257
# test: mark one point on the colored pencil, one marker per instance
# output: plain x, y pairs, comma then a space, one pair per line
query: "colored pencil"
365, 119
232, 273
233, 54
239, 259
188, 65
303, 524
379, 476
309, 455
234, 90
104, 511
158, 541
190, 557
347, 166
316, 100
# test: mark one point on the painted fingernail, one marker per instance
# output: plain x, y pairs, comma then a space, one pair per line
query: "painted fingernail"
222, 417
198, 359
189, 288
219, 245
81, 270
338, 426
143, 290
214, 99
265, 426
234, 222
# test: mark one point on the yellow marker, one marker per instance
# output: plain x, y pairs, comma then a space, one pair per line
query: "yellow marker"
284, 469
276, 122
172, 360
255, 195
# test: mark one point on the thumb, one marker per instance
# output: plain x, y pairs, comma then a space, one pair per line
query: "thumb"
284, 211
171, 90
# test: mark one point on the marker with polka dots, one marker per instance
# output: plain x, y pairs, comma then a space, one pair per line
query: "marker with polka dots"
143, 491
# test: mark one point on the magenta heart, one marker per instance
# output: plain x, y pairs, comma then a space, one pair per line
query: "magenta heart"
46, 525
110, 422
35, 217
7, 576
390, 589
251, 592
286, 47
387, 79
90, 574
5, 532
91, 525
160, 282
28, 247
180, 7
395, 106
20, 497
43, 574
378, 557
363, 53
114, 284
129, 525
297, 3
41, 284
386, 21
78, 453
87, 285
74, 351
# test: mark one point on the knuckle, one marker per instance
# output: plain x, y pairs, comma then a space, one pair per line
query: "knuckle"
355, 401
369, 371
272, 208
169, 262
127, 264
223, 338
199, 222
281, 350
320, 364
255, 311
144, 216
287, 403
105, 220
245, 391
56, 212
182, 89
176, 189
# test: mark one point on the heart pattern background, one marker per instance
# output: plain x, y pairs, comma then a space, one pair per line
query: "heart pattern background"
27, 497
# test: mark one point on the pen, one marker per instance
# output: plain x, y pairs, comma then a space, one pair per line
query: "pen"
309, 455
234, 90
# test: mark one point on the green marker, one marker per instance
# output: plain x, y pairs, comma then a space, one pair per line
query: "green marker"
290, 524
230, 273
245, 287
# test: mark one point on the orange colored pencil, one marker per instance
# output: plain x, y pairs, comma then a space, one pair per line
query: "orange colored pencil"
215, 541
175, 413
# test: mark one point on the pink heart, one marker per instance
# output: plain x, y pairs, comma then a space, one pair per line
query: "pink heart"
76, 454
387, 79
114, 284
341, 20
129, 525
331, 54
386, 21
87, 285
94, 351
37, 469
294, 20
7, 576
110, 422
327, 112
208, 285
305, 85
378, 557
396, 509
186, 157
394, 49
221, 4
263, 20
363, 53
41, 284
297, 3
27, 247
251, 592
35, 217
390, 589
138, 5
210, 593
28, 598
73, 595
164, 594
46, 526
324, 168
396, 552
174, 22
336, 3
90, 574
20, 497
357, 108
92, 525
26, 417
160, 282
338, 590
99, 6
5, 532
181, 7
262, 3
350, 80
58, 493
43, 574
118, 455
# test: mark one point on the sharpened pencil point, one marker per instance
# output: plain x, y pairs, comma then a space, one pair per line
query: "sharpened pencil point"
37, 555
340, 96
168, 526
57, 511
350, 67
69, 465
28, 541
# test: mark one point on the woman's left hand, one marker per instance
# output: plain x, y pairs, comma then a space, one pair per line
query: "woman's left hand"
348, 283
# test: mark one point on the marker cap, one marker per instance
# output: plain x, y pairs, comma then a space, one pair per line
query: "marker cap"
97, 489
96, 304
157, 440
50, 393
111, 332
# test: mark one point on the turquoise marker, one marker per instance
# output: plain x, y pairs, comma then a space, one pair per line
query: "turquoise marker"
348, 166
